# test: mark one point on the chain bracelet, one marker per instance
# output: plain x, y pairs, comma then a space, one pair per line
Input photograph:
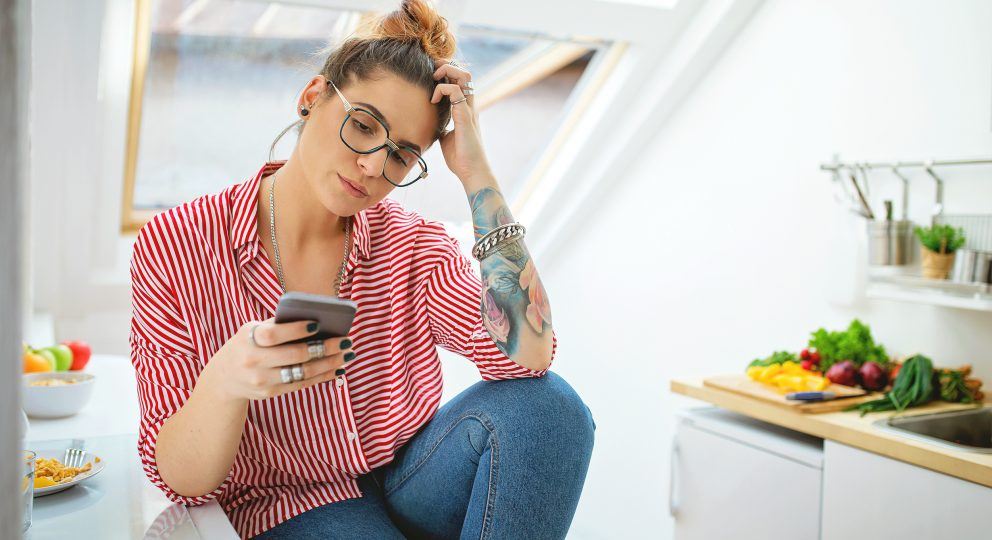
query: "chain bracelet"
497, 238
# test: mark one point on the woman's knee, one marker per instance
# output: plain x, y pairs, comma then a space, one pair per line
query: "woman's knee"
550, 400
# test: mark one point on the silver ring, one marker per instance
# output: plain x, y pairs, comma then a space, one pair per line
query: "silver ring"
468, 84
315, 349
456, 102
297, 372
251, 335
286, 375
468, 91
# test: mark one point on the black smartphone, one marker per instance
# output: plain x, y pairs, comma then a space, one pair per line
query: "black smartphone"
333, 315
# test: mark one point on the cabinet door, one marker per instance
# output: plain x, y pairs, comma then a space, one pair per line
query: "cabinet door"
866, 495
727, 489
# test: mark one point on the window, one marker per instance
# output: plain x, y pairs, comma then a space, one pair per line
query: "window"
214, 83
215, 80
526, 91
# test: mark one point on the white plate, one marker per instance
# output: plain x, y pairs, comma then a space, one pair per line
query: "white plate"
59, 455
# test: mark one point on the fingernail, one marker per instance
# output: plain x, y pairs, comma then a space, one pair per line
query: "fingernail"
345, 343
339, 372
312, 327
349, 357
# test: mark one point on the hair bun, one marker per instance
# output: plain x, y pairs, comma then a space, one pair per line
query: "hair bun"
418, 20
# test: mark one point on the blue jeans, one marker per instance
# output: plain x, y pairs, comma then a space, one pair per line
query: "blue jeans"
502, 459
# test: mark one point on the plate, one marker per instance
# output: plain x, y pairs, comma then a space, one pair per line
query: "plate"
59, 454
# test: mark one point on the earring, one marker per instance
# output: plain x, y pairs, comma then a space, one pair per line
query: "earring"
304, 111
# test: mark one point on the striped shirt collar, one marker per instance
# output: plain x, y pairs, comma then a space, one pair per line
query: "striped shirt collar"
244, 209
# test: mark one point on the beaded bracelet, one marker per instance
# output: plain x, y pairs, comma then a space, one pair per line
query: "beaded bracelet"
497, 238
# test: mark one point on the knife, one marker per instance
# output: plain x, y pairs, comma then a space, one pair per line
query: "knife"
810, 396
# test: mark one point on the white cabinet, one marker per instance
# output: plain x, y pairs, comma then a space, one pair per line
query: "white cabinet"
736, 477
866, 495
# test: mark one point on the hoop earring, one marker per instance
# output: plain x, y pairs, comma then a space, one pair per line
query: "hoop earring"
285, 130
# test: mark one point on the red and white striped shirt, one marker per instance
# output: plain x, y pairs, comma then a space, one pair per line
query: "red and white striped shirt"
199, 273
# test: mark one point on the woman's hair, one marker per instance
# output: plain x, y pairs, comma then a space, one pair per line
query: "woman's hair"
406, 42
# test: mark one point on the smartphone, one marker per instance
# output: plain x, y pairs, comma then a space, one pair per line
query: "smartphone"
333, 315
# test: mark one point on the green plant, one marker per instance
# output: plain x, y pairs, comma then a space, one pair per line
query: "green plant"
940, 238
777, 357
854, 344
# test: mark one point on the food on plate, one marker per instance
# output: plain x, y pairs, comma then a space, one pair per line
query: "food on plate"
50, 472
53, 382
873, 376
788, 377
843, 373
81, 353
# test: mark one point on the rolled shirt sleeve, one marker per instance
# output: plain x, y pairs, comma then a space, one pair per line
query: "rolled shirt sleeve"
454, 296
164, 359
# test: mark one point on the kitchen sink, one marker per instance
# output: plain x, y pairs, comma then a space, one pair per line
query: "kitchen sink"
969, 430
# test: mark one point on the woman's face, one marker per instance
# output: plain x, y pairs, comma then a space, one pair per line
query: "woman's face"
329, 165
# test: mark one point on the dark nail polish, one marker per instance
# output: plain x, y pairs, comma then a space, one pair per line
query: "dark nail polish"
348, 357
339, 372
345, 343
312, 327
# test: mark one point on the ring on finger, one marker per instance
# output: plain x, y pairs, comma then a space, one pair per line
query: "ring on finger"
467, 91
315, 349
468, 84
286, 375
297, 370
251, 335
457, 101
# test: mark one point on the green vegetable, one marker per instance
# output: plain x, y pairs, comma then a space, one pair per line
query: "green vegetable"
940, 238
854, 344
952, 387
778, 357
913, 387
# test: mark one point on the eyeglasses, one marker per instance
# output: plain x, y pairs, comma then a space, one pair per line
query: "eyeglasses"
363, 132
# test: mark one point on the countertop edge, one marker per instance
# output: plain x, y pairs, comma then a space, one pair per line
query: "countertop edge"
863, 436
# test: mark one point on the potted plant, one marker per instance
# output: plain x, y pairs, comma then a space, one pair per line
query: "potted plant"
939, 244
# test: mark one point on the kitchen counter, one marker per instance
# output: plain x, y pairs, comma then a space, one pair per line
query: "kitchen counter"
851, 429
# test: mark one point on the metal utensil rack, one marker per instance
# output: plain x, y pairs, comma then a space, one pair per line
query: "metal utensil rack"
977, 227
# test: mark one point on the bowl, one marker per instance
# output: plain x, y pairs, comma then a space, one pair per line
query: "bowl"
56, 394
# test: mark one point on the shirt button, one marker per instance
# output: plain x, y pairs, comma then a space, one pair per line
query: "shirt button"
339, 382
352, 435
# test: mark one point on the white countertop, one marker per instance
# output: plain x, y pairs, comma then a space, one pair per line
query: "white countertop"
120, 502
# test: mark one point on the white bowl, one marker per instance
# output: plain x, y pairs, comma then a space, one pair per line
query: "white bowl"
56, 401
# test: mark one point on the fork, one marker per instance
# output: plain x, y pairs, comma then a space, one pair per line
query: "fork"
75, 455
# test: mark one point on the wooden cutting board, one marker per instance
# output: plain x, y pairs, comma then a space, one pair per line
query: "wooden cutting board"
741, 384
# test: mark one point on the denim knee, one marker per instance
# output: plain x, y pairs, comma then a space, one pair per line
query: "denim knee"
560, 400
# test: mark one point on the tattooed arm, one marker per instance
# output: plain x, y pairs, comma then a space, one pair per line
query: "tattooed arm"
515, 307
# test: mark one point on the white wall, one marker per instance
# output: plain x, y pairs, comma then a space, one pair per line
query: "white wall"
723, 243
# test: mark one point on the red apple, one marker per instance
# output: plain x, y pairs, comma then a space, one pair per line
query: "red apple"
80, 354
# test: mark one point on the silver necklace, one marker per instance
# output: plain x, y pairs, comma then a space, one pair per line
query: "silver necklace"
275, 244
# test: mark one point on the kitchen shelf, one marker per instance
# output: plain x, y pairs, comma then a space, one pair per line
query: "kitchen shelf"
938, 292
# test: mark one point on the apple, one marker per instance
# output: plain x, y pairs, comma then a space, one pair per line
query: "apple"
81, 353
49, 356
63, 356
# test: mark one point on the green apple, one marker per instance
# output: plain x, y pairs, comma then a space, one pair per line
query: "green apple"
48, 355
63, 356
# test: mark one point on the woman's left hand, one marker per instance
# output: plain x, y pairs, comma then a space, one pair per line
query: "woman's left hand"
462, 146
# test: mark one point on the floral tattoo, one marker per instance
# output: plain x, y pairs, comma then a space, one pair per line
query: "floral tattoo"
513, 299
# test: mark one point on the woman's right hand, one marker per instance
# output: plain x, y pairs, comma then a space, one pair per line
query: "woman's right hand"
246, 371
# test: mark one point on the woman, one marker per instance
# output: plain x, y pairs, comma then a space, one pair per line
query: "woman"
343, 438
